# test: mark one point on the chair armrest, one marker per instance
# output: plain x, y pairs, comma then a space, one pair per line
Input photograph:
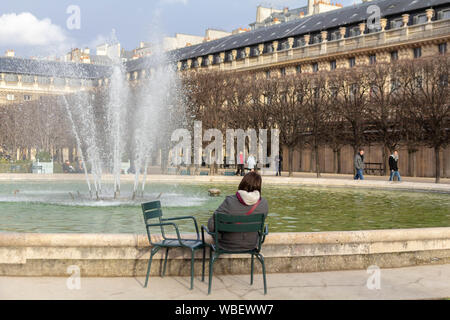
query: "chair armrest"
186, 218
166, 224
265, 233
204, 228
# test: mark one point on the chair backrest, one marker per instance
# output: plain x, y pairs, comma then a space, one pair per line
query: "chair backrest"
235, 224
152, 210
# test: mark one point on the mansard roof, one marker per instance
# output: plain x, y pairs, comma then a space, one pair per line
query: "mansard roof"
53, 68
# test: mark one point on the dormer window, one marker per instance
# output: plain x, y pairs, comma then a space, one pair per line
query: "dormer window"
444, 14
419, 19
397, 23
354, 32
336, 35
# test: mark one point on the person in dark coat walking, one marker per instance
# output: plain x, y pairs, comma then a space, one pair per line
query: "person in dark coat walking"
359, 165
279, 163
240, 204
393, 166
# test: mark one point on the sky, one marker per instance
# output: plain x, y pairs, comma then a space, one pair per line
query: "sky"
53, 27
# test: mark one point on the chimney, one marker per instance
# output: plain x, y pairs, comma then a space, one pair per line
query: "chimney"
310, 7
10, 53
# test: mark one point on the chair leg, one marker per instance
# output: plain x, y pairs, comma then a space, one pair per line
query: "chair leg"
152, 253
192, 269
253, 265
203, 264
261, 259
165, 263
211, 268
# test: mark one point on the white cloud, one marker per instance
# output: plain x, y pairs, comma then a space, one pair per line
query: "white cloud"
173, 1
25, 29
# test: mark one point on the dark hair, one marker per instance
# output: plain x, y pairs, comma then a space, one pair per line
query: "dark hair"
251, 182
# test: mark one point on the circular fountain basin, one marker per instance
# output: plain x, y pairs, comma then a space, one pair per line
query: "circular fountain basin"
65, 207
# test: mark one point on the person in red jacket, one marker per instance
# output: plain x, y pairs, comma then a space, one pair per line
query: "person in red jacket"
240, 164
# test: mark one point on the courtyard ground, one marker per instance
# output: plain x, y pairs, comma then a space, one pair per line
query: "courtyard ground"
424, 282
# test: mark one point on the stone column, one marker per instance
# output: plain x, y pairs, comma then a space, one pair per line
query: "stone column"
430, 14
179, 65
405, 19
247, 55
291, 46
383, 24
275, 46
261, 49
323, 46
342, 31
275, 51
234, 54
189, 63
307, 38
362, 28
260, 53
222, 60
210, 61
247, 52
291, 43
199, 62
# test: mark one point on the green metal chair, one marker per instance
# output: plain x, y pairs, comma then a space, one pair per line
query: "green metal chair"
152, 211
228, 223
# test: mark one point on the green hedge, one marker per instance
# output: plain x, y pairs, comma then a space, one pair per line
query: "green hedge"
15, 167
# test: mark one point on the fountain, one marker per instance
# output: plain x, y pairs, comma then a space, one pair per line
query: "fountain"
128, 121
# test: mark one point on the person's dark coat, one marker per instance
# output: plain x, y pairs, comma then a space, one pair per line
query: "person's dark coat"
393, 163
359, 162
238, 241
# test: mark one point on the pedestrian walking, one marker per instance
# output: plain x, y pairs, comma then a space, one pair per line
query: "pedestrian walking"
251, 163
359, 165
279, 164
240, 164
393, 166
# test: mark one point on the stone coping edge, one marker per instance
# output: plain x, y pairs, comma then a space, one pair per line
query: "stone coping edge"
134, 240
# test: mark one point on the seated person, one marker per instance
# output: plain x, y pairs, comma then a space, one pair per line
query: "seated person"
67, 167
246, 201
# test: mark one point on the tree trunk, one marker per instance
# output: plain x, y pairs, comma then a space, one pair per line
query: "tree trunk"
386, 154
291, 161
312, 160
316, 150
410, 162
335, 165
446, 163
339, 161
300, 150
438, 164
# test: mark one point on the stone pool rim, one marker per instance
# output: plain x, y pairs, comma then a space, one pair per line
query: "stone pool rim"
126, 255
424, 187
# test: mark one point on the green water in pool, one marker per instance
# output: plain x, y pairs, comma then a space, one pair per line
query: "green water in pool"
64, 207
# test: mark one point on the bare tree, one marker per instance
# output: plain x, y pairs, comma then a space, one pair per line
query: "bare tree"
429, 104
